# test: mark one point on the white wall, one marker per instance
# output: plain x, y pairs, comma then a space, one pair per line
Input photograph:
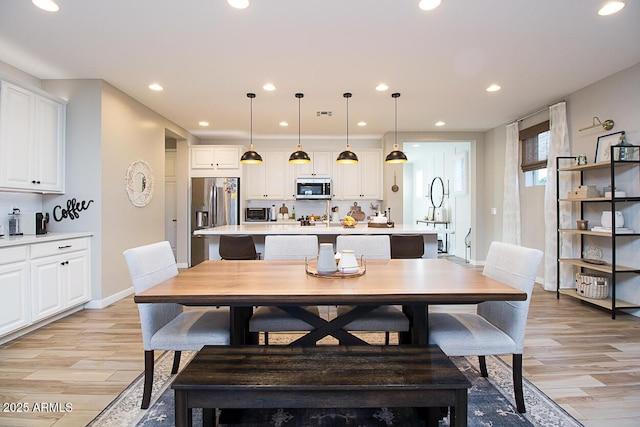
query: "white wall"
616, 97
106, 131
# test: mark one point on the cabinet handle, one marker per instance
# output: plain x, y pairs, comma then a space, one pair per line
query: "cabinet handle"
35, 182
64, 263
64, 247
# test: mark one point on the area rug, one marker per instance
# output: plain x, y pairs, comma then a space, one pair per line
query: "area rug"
490, 404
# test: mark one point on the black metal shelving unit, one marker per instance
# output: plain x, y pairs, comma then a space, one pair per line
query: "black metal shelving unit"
613, 269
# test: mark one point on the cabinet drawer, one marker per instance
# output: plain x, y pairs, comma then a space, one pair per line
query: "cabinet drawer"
40, 250
13, 254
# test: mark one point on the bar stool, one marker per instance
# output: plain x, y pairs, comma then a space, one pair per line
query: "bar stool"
237, 247
405, 246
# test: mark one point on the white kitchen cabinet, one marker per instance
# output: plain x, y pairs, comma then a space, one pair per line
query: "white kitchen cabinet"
321, 166
14, 288
32, 140
60, 276
216, 160
362, 180
267, 180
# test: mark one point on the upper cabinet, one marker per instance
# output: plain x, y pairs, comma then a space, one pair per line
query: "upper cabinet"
362, 180
320, 166
32, 140
268, 180
215, 160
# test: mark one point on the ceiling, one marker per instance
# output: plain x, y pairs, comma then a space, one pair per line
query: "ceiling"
207, 56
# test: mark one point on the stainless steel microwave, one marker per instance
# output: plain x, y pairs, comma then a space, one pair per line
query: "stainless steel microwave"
313, 188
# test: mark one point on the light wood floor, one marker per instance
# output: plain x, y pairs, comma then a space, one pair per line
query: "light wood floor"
575, 353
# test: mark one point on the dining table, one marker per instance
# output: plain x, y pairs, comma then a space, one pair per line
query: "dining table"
413, 284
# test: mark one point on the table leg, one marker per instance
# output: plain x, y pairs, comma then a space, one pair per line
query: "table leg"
239, 324
333, 328
418, 325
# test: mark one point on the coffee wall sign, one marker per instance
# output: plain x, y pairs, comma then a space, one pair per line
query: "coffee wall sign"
71, 210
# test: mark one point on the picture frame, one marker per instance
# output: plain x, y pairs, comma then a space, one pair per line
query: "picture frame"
603, 152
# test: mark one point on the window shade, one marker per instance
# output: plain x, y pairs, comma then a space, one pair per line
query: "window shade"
535, 143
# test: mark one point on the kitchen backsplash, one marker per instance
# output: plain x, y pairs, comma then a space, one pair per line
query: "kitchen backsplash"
317, 207
24, 201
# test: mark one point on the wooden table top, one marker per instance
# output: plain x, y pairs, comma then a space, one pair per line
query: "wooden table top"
395, 281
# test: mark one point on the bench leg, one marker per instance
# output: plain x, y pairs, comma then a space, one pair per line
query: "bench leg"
459, 412
209, 417
182, 414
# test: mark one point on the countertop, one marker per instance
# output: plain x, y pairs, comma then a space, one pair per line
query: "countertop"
319, 228
6, 241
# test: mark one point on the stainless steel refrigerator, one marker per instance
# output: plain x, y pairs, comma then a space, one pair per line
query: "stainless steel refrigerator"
214, 202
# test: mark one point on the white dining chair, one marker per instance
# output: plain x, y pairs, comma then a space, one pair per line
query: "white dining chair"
273, 319
497, 327
167, 326
386, 318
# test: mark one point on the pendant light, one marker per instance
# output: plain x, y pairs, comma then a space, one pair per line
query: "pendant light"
251, 156
396, 156
347, 156
299, 157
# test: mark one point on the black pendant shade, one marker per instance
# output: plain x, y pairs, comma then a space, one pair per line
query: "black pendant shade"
299, 156
347, 156
251, 156
396, 156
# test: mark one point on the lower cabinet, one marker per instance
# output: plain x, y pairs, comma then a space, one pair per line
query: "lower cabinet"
14, 288
50, 278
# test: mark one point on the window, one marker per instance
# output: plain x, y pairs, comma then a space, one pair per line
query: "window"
535, 148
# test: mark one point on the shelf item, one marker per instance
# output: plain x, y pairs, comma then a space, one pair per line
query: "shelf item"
612, 234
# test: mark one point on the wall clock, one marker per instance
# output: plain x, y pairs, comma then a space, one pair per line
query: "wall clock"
139, 183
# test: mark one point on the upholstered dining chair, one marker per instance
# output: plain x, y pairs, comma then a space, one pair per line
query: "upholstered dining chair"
237, 247
273, 319
497, 327
167, 326
385, 318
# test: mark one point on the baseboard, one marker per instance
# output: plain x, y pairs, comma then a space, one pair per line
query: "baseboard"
38, 324
105, 302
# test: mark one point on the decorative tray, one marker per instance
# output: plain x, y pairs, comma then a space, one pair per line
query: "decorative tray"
312, 270
381, 224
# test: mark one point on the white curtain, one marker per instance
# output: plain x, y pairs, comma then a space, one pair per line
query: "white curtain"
511, 202
558, 146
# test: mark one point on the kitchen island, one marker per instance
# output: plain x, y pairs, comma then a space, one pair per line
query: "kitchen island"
325, 233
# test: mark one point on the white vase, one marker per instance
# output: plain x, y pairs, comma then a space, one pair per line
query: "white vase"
607, 221
326, 259
348, 262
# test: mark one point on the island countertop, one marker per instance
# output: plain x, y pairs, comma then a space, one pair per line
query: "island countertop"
265, 229
324, 233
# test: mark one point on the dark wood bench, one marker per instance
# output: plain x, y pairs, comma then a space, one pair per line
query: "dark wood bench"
320, 377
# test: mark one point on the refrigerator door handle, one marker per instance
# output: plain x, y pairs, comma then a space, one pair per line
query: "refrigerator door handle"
213, 206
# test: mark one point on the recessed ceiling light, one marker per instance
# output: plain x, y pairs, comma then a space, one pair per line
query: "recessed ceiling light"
610, 7
493, 88
440, 123
362, 123
48, 5
428, 4
382, 87
203, 123
238, 4
269, 87
155, 87
283, 123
